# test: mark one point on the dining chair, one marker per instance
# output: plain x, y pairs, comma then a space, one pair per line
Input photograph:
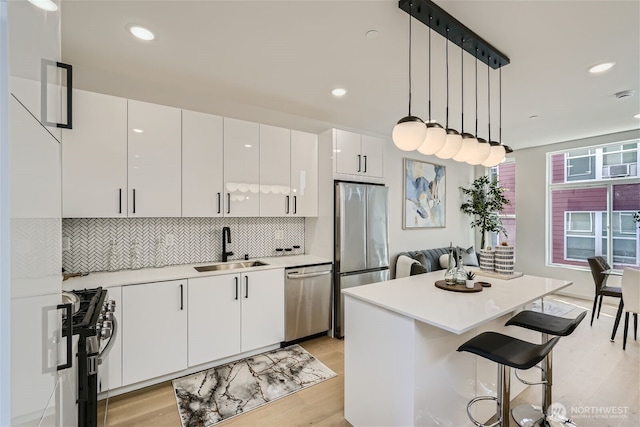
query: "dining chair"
631, 298
598, 264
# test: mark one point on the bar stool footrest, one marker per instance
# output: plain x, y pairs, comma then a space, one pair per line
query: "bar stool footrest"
478, 399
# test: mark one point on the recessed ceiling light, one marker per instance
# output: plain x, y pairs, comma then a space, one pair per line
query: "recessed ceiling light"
637, 116
338, 92
47, 5
141, 33
601, 68
371, 34
248, 145
137, 130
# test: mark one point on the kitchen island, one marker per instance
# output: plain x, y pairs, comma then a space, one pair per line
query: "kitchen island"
401, 337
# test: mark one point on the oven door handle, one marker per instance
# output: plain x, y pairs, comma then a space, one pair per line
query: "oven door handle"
69, 309
107, 348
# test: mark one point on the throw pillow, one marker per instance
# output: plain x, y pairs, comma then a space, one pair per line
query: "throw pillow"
444, 261
417, 269
426, 263
469, 257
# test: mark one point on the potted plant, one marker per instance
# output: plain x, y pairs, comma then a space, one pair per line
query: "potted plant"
484, 201
470, 276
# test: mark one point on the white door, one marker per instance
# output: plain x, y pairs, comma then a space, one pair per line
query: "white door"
348, 157
214, 318
241, 168
34, 38
94, 158
371, 150
275, 189
304, 174
202, 164
154, 134
154, 330
262, 294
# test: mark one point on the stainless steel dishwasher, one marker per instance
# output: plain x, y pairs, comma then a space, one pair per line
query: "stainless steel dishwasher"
307, 301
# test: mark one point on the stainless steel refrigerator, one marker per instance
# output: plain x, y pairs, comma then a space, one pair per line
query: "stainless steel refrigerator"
361, 240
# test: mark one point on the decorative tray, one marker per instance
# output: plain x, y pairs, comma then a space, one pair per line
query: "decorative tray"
477, 287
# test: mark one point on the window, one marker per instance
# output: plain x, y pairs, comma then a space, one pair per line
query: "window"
505, 174
593, 195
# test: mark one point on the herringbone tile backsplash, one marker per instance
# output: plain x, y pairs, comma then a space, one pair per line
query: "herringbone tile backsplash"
195, 240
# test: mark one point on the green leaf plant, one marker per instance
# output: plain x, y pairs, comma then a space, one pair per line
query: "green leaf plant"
484, 202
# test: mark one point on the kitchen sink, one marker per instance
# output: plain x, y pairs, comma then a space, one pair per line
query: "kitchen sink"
230, 266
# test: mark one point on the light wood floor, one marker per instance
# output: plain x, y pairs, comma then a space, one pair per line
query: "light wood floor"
590, 372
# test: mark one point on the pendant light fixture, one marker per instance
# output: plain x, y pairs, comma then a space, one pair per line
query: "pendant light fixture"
497, 150
410, 131
454, 140
483, 149
469, 142
436, 135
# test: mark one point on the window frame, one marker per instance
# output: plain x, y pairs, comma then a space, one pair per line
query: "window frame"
607, 217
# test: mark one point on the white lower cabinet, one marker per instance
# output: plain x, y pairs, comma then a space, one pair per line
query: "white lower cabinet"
154, 330
110, 371
234, 313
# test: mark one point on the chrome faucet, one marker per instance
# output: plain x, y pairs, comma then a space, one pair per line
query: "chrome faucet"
226, 232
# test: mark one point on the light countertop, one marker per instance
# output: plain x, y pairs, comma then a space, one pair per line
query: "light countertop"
177, 272
418, 298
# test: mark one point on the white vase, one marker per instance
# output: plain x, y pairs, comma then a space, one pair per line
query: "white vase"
470, 284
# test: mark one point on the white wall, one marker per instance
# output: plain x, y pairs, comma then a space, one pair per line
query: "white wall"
531, 208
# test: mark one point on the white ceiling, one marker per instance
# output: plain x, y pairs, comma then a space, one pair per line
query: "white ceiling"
286, 56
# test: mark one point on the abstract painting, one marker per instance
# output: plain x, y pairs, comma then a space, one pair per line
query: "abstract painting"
424, 195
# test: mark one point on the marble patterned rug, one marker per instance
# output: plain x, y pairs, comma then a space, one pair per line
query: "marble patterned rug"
208, 397
555, 308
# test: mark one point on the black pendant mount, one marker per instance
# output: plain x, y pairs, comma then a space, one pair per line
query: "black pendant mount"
441, 21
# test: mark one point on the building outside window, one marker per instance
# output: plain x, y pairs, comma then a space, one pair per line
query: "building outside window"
505, 174
593, 194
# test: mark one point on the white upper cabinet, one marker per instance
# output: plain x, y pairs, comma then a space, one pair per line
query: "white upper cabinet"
34, 46
371, 149
202, 165
304, 174
94, 156
358, 154
154, 160
275, 161
242, 168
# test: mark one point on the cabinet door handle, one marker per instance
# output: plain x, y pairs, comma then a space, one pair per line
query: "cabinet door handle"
134, 200
246, 286
228, 203
119, 200
181, 298
218, 202
295, 204
69, 330
236, 288
286, 205
359, 159
365, 164
43, 93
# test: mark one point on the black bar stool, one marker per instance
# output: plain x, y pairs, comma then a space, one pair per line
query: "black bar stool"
529, 415
508, 352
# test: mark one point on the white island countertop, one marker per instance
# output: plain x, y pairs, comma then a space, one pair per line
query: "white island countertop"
417, 297
108, 279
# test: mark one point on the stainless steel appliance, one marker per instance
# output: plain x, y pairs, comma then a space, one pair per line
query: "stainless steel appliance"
361, 240
94, 326
307, 301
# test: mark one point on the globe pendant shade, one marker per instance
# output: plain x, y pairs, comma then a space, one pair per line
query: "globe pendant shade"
409, 133
469, 144
452, 145
481, 152
496, 156
435, 139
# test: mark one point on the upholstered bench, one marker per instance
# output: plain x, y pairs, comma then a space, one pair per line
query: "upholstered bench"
429, 260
